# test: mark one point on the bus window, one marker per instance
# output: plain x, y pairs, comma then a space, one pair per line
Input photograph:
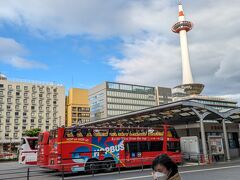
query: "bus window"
169, 134
79, 133
173, 146
112, 132
68, 133
40, 137
133, 149
23, 141
100, 132
142, 132
156, 146
134, 132
53, 134
123, 132
143, 146
155, 132
89, 133
84, 132
33, 143
173, 132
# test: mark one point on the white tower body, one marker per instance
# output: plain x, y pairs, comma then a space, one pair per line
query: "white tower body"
186, 67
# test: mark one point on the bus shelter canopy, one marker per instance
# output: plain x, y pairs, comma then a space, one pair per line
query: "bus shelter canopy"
180, 112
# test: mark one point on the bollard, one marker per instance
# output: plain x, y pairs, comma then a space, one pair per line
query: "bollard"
142, 164
28, 172
62, 173
118, 169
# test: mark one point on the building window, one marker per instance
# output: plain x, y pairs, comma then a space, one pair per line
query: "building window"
32, 120
9, 86
24, 114
16, 113
24, 120
9, 100
23, 127
8, 107
18, 87
25, 94
16, 121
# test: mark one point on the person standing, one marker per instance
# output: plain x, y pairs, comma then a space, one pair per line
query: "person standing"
165, 169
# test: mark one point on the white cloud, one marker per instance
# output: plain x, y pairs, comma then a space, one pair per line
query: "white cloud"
151, 53
11, 52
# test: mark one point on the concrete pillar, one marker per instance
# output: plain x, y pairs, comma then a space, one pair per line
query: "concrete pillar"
203, 137
226, 139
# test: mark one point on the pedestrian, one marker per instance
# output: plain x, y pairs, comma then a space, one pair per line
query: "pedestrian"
165, 169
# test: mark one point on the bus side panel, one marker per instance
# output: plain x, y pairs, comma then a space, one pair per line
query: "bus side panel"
78, 151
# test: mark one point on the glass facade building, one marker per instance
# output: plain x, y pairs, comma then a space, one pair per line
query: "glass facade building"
111, 99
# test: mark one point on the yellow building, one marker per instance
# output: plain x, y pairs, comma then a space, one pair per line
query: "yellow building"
77, 107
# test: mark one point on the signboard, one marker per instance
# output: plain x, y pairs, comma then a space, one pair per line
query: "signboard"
215, 145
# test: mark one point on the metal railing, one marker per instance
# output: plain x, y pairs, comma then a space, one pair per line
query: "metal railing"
94, 167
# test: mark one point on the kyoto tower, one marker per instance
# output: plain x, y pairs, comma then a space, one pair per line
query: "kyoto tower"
188, 87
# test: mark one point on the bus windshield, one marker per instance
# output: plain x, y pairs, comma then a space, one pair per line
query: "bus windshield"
33, 143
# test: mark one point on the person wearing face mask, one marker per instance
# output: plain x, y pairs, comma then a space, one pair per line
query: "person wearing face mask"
165, 169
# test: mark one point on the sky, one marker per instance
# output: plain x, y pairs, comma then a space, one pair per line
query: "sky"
81, 43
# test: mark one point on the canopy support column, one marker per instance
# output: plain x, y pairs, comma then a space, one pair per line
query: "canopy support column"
202, 129
226, 139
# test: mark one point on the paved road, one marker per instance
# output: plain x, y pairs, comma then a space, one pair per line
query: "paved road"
221, 171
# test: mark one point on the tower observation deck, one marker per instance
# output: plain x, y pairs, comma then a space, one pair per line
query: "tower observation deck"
188, 87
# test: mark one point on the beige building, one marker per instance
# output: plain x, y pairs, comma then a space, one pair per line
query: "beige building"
27, 105
77, 107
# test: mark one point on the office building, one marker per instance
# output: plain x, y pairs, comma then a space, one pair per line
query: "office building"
164, 95
111, 99
26, 105
77, 107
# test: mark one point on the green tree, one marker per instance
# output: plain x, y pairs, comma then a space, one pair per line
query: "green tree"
32, 132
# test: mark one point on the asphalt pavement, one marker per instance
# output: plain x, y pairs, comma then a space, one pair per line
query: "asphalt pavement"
219, 171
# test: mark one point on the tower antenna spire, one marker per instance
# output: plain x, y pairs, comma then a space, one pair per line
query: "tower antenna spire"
179, 2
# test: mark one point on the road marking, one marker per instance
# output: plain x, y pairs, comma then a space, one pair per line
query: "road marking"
209, 169
146, 176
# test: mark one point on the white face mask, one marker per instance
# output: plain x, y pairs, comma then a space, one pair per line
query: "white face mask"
159, 176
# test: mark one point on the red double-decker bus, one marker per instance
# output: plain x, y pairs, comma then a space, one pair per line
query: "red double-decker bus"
83, 149
43, 149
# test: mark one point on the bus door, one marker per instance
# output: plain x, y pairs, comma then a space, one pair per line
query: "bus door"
133, 154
